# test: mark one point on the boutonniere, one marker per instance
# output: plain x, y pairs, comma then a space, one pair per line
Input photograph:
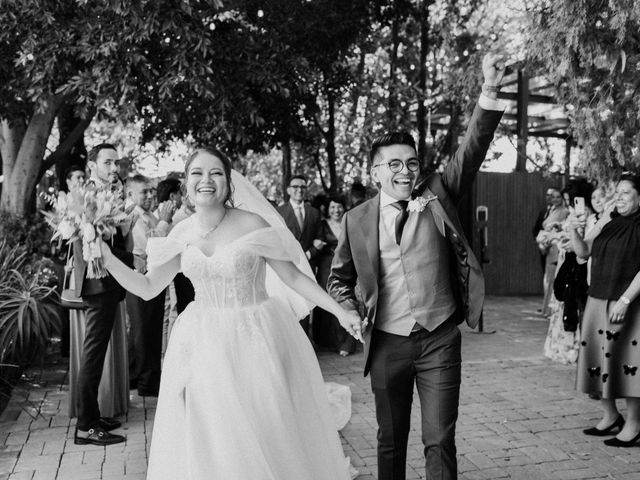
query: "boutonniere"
420, 203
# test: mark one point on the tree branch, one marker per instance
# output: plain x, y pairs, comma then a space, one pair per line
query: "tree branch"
316, 159
68, 143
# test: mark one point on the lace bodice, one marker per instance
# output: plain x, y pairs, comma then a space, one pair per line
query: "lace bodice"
235, 275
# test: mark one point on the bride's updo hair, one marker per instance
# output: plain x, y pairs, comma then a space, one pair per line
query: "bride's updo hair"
226, 165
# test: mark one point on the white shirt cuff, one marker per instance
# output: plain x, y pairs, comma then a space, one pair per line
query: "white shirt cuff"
487, 103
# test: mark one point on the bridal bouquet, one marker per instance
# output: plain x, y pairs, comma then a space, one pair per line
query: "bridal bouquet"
89, 214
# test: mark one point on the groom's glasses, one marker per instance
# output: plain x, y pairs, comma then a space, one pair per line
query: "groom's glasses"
395, 165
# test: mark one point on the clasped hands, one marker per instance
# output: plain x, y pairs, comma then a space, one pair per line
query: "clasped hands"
352, 323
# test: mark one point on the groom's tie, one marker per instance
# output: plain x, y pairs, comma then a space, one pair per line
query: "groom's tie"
401, 218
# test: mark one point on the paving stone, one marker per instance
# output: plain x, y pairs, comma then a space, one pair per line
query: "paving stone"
519, 418
27, 475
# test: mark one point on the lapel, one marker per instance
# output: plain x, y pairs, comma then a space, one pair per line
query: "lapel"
369, 225
413, 220
440, 216
292, 221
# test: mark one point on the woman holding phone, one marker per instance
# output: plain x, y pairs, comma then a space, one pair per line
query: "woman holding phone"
569, 287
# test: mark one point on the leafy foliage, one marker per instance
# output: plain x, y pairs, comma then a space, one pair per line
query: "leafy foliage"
28, 300
591, 51
30, 232
28, 318
12, 257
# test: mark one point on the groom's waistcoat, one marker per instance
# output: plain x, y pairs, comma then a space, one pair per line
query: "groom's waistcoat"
414, 277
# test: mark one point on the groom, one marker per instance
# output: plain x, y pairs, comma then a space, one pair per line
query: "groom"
419, 279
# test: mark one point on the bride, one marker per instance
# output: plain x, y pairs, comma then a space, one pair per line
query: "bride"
242, 395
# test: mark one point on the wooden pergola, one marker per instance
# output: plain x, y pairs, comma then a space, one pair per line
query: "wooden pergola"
532, 111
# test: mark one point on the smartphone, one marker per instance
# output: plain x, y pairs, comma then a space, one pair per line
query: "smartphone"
578, 205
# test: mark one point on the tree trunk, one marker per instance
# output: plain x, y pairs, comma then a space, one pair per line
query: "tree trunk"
330, 137
11, 136
76, 155
393, 62
286, 166
21, 171
422, 80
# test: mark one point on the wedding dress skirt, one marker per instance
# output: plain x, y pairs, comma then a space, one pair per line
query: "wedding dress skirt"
241, 396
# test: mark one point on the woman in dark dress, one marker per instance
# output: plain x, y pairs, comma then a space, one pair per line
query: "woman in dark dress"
610, 345
327, 331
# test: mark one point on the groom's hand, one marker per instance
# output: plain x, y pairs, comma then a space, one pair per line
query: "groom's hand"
493, 66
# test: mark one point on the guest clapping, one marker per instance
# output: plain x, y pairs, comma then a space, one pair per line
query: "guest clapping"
610, 354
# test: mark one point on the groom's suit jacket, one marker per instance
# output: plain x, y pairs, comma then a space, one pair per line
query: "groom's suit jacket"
356, 259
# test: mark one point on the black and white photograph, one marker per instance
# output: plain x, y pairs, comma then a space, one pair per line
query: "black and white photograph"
319, 240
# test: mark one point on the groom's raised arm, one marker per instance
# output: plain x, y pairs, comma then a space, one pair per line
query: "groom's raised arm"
343, 277
465, 163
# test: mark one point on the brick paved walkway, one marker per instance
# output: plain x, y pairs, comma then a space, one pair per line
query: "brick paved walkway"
520, 417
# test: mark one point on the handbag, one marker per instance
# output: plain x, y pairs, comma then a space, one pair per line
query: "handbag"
570, 286
69, 298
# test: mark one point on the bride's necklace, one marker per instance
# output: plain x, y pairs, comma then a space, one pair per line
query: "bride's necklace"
206, 233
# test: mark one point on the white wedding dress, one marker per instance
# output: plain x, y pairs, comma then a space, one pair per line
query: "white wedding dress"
242, 396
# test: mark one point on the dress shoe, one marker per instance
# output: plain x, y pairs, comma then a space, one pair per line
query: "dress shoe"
108, 423
96, 436
596, 432
616, 442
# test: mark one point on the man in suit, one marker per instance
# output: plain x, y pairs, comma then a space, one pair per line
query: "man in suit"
301, 218
419, 279
304, 222
146, 316
101, 297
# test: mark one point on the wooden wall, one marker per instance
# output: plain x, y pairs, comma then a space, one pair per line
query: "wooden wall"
514, 201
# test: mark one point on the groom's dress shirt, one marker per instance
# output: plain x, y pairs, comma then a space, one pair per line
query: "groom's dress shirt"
397, 308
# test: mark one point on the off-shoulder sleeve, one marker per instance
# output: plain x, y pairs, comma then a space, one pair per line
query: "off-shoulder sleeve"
162, 249
278, 243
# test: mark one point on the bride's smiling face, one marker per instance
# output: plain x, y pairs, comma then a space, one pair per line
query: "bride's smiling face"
206, 180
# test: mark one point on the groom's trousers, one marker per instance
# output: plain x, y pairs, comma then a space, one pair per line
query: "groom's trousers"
432, 361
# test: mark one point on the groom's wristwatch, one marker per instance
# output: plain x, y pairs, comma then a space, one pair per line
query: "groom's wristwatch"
490, 90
